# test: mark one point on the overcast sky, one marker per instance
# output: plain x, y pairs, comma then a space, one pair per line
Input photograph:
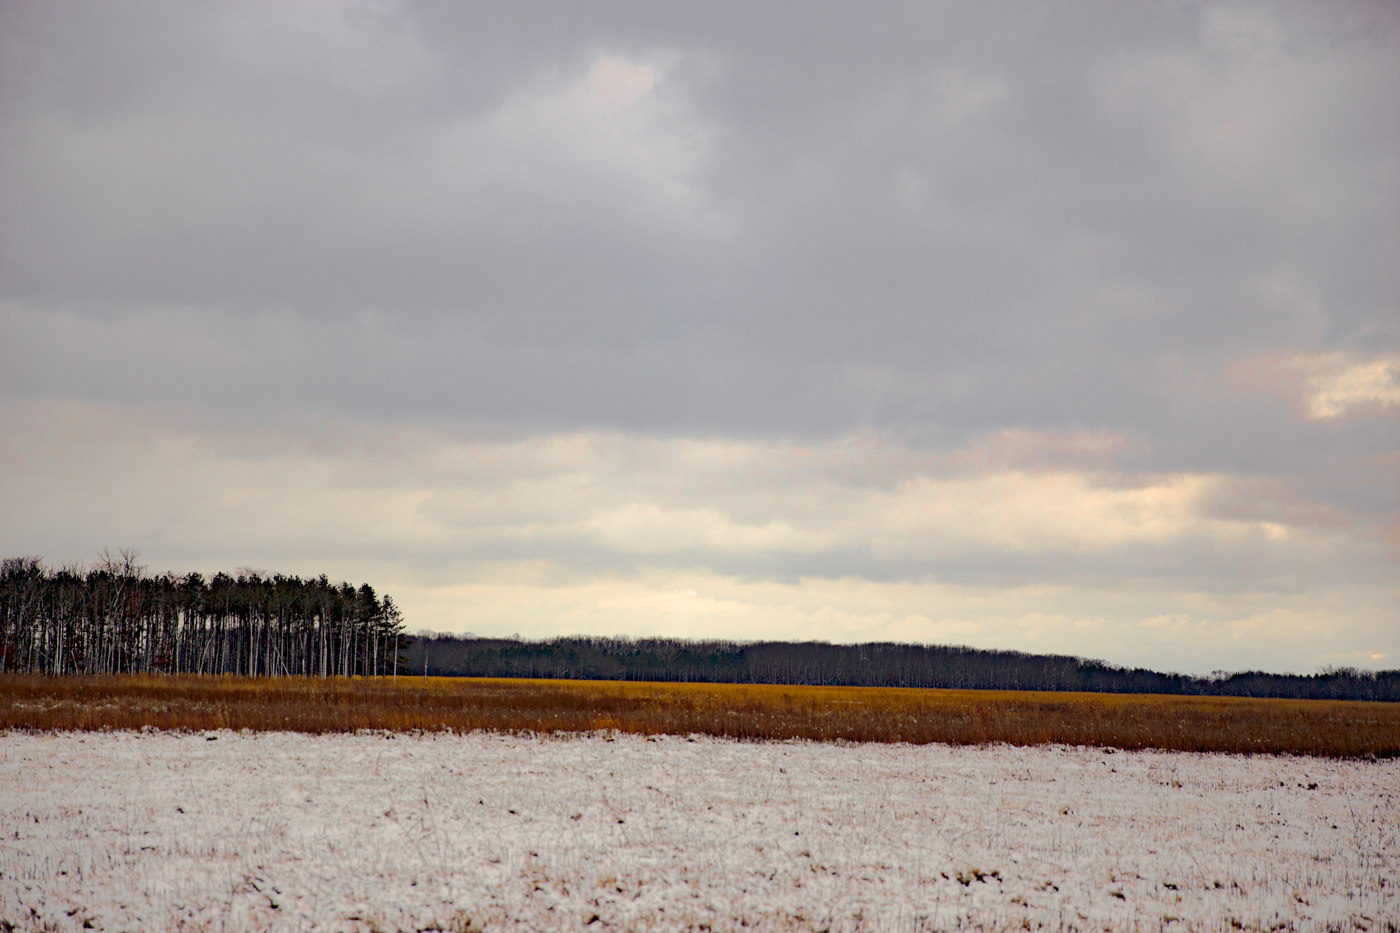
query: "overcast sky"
1054, 327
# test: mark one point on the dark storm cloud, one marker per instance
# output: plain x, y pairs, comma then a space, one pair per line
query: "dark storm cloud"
932, 220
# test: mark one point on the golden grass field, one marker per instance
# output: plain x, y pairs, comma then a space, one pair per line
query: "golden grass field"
857, 714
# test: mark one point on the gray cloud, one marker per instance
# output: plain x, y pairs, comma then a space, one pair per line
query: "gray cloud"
940, 216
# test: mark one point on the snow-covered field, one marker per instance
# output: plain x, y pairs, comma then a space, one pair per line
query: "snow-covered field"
290, 832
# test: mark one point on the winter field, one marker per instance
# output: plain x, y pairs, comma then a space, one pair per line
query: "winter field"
283, 831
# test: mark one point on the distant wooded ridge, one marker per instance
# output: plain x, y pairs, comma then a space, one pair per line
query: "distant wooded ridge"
880, 664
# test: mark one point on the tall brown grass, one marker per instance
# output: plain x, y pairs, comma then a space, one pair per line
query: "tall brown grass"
857, 714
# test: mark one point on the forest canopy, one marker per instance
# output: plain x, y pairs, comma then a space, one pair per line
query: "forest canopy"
115, 618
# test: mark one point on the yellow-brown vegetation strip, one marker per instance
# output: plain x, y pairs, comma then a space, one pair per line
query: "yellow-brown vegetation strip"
857, 714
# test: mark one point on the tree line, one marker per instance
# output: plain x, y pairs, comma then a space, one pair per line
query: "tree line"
115, 618
867, 665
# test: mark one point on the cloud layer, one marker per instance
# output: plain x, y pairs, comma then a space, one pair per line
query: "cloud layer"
1090, 313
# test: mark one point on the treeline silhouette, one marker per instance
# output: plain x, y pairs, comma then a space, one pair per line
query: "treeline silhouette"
114, 618
879, 664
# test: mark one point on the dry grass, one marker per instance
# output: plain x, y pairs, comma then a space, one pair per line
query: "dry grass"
858, 714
